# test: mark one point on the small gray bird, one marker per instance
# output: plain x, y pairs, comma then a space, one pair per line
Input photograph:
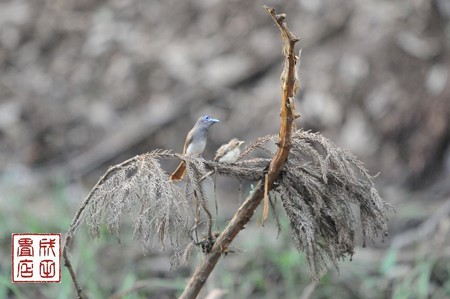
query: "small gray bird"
195, 143
229, 153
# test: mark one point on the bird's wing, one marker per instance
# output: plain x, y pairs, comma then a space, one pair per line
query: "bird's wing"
221, 152
188, 140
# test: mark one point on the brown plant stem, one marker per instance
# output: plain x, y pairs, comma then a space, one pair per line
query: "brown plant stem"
245, 212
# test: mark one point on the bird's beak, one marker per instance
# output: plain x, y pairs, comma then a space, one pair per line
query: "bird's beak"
213, 120
241, 143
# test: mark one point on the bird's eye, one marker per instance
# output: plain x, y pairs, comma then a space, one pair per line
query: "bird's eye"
207, 117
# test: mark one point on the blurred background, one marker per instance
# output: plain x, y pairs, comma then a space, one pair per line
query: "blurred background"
86, 84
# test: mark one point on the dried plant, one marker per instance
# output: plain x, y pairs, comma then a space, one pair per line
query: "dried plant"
317, 187
318, 183
140, 189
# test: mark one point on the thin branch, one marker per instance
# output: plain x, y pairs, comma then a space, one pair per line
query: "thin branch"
245, 212
68, 264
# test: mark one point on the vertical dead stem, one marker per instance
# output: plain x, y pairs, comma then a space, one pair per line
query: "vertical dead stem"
245, 212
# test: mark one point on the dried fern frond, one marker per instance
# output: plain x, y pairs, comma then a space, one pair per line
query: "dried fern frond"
251, 169
142, 190
319, 186
258, 143
195, 170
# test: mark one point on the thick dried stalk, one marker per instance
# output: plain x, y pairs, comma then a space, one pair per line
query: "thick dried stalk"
245, 212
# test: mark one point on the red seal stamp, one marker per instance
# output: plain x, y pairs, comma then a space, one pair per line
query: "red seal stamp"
36, 257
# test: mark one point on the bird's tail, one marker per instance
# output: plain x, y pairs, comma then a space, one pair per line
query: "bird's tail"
179, 172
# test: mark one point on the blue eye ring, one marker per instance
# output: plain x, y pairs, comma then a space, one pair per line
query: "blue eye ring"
207, 117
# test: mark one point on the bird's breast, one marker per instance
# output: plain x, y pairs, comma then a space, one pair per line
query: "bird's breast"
231, 156
196, 147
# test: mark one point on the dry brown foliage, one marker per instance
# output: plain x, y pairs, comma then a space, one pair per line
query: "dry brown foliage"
319, 187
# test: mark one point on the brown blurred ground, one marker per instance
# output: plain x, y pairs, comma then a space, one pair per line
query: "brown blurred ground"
85, 84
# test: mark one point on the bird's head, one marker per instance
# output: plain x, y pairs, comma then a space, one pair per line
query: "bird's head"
207, 121
236, 142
